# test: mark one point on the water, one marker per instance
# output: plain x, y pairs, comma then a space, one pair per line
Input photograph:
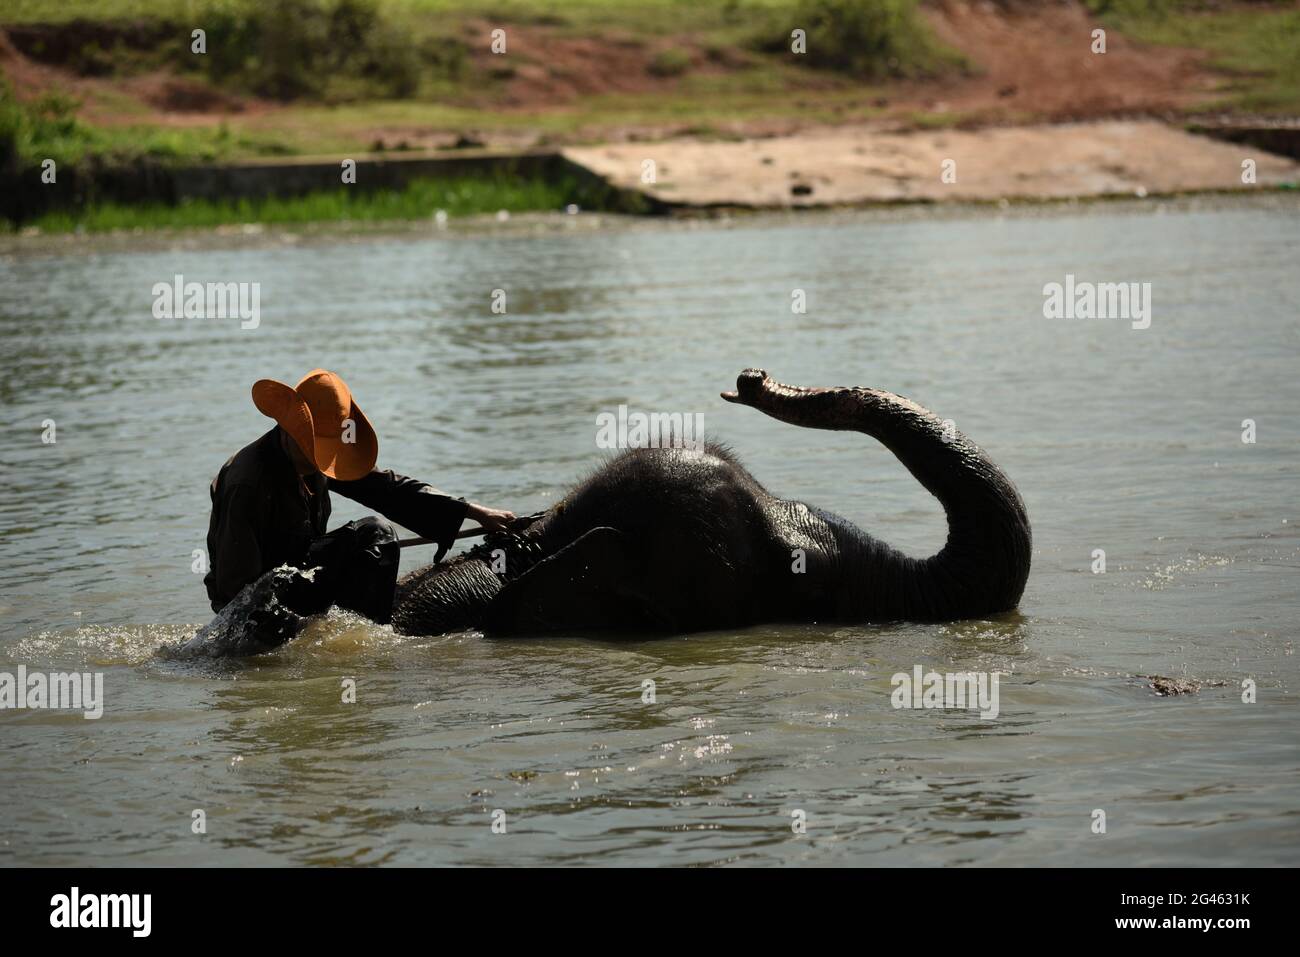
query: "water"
1119, 439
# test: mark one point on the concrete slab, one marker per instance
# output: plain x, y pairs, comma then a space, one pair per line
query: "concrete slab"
849, 166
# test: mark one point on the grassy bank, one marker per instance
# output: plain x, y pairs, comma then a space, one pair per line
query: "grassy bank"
360, 74
87, 158
437, 51
336, 51
1257, 45
420, 199
108, 85
48, 128
350, 76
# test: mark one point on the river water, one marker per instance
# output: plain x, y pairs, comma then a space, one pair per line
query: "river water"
1120, 439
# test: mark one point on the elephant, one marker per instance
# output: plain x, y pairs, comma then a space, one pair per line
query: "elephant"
677, 539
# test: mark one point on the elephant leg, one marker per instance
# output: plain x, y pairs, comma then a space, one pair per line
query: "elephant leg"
595, 582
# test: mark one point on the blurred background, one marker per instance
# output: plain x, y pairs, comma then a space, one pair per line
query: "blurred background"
114, 92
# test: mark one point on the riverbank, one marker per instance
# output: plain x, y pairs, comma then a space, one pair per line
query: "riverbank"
613, 71
261, 236
961, 101
823, 168
311, 191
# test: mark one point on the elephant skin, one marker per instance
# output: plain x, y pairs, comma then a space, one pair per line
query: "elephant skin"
675, 540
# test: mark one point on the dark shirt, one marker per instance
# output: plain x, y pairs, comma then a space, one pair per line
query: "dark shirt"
263, 516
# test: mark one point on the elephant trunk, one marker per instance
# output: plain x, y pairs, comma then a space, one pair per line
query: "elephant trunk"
983, 567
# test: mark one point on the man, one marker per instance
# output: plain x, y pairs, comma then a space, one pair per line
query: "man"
270, 502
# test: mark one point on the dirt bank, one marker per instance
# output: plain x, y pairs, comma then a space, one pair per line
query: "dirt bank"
1036, 62
1027, 64
847, 166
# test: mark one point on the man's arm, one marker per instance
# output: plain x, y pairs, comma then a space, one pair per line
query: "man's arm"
417, 506
237, 558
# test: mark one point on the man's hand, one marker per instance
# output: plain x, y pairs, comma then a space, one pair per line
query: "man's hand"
491, 519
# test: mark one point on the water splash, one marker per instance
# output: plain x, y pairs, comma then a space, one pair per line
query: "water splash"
100, 646
1162, 577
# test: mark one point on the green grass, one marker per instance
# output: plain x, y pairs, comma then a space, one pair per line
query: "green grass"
1258, 47
420, 199
650, 16
928, 120
714, 100
670, 63
339, 102
59, 11
868, 39
339, 105
48, 129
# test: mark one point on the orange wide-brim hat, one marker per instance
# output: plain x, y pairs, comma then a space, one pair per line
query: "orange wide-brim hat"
323, 419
